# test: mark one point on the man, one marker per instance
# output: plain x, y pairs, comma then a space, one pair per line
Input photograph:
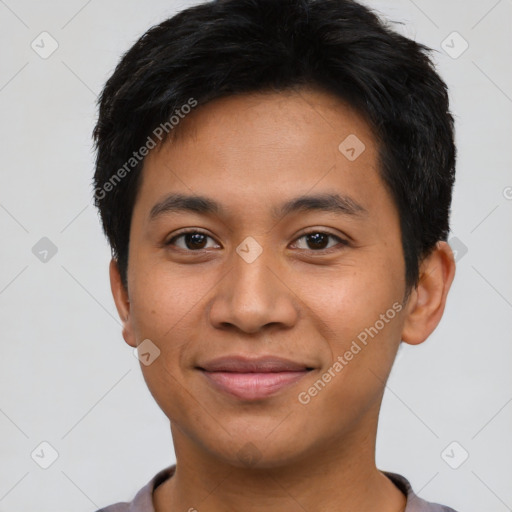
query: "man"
275, 181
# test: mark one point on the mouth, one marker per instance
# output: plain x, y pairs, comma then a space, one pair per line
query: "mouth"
252, 379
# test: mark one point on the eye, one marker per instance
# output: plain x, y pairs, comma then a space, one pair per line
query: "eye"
192, 240
319, 241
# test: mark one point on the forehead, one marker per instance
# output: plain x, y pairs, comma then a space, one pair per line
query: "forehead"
270, 113
260, 147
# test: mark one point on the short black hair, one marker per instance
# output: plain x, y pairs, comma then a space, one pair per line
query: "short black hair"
227, 47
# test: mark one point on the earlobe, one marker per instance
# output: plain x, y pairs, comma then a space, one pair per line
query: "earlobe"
122, 301
427, 301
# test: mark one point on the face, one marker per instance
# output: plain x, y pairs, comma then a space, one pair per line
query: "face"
294, 253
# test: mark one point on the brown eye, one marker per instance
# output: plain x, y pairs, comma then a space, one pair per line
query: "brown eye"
190, 240
319, 241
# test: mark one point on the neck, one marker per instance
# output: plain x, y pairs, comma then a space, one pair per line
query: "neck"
340, 475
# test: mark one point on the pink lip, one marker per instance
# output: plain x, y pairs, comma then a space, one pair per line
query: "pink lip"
253, 386
252, 378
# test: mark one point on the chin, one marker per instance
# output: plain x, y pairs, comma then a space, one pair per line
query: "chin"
257, 452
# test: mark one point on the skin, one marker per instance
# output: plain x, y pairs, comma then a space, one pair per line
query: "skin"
297, 300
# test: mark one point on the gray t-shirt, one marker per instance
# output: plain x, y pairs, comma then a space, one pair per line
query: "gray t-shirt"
143, 500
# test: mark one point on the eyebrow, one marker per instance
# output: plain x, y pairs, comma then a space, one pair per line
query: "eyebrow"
333, 203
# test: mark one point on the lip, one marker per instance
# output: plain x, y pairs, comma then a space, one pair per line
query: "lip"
243, 364
252, 379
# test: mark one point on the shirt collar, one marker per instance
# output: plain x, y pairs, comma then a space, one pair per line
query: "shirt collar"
143, 501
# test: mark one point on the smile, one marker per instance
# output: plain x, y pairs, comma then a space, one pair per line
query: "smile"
247, 378
253, 386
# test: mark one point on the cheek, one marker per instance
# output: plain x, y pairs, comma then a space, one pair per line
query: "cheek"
347, 302
359, 314
167, 308
162, 302
162, 311
363, 332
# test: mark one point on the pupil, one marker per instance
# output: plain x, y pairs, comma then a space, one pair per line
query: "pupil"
195, 240
317, 239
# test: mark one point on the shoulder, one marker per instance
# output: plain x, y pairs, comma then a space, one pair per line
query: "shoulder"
414, 502
143, 500
117, 507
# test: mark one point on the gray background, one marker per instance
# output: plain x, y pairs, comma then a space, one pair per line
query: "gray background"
68, 378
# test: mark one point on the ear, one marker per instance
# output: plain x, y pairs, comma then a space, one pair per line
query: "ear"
122, 301
426, 303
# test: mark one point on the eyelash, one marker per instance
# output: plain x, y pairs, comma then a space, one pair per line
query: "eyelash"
341, 241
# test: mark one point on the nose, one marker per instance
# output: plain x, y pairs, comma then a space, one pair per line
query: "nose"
253, 296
